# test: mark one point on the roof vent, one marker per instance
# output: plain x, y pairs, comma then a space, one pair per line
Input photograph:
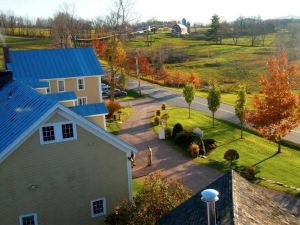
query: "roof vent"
210, 196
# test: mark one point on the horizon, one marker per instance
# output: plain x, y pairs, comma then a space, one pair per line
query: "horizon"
144, 10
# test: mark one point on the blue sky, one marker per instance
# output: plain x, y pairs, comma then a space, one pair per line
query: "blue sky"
193, 10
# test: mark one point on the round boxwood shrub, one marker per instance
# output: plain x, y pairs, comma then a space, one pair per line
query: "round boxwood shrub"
163, 106
231, 155
157, 112
177, 129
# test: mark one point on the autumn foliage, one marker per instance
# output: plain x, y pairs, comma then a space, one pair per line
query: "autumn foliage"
276, 112
112, 107
100, 48
156, 198
194, 79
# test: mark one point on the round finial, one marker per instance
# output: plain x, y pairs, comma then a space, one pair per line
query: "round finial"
210, 195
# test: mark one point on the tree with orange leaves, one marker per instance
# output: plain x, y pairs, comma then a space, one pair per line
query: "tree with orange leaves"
116, 58
164, 74
100, 48
277, 112
194, 79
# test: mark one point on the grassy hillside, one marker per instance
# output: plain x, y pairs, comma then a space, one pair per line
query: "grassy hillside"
226, 63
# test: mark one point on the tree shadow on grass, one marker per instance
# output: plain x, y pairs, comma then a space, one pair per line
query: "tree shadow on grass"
265, 159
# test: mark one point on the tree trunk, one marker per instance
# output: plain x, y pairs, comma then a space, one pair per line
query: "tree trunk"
213, 117
279, 146
242, 129
189, 111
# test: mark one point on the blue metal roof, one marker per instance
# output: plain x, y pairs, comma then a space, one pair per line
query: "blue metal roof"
30, 66
20, 107
62, 96
90, 109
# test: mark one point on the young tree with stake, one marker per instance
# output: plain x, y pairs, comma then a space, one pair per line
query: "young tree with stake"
240, 107
213, 101
189, 95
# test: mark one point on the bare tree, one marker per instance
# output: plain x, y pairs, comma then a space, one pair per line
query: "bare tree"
117, 22
63, 26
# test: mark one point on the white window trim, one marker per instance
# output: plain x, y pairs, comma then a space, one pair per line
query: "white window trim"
31, 214
104, 207
58, 132
84, 97
58, 85
83, 84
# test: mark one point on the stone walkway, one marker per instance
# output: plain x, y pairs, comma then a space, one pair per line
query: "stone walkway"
168, 162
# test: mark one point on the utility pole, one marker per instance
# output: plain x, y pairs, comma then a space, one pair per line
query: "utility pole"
138, 72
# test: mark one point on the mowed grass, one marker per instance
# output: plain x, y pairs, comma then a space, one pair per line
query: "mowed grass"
131, 95
137, 185
113, 126
253, 150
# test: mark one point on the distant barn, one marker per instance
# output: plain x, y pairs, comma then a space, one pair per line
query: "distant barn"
179, 29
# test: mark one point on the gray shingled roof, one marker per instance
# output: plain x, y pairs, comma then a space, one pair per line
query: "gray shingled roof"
240, 203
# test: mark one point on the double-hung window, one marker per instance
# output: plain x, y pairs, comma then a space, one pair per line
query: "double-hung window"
82, 100
98, 207
80, 84
61, 85
29, 219
58, 132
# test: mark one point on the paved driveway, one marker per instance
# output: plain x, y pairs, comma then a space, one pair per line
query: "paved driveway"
171, 164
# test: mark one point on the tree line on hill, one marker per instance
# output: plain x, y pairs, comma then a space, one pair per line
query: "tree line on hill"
65, 26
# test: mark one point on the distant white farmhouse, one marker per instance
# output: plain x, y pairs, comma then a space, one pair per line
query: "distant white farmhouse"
179, 29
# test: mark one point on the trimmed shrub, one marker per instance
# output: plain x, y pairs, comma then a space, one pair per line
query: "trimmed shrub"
157, 112
156, 120
184, 139
112, 107
194, 149
163, 106
231, 155
210, 144
177, 129
251, 171
168, 132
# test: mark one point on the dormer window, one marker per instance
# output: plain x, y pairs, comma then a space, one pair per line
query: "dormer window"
61, 85
58, 132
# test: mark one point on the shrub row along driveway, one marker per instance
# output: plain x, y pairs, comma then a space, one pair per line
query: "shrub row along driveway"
171, 164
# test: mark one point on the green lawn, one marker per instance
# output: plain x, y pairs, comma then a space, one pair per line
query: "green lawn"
131, 95
226, 63
115, 126
253, 150
137, 185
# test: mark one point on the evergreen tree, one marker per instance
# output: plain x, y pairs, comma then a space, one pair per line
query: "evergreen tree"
214, 32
